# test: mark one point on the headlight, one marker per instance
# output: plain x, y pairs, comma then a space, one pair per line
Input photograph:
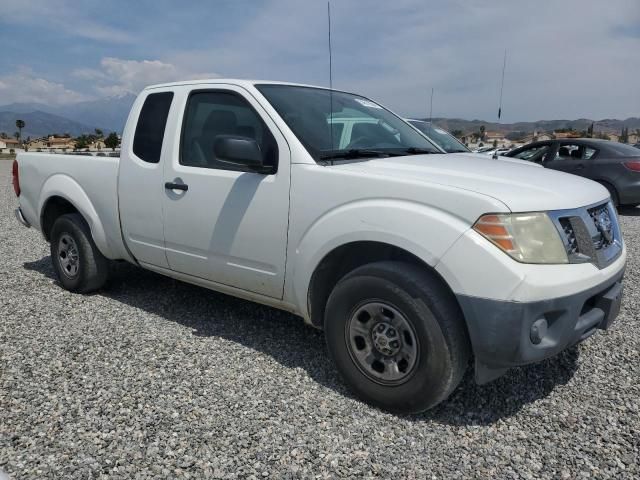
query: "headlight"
526, 237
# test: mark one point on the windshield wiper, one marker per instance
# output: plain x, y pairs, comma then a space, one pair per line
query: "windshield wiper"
417, 151
353, 153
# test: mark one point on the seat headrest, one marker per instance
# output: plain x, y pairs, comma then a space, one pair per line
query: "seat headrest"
246, 131
220, 122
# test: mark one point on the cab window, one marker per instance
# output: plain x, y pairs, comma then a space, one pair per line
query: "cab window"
147, 141
209, 114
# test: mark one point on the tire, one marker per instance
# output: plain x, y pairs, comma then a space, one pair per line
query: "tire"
77, 261
414, 297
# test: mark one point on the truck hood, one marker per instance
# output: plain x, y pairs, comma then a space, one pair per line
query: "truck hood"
500, 157
521, 187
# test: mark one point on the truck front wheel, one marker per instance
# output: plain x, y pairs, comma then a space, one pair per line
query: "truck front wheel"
397, 336
77, 261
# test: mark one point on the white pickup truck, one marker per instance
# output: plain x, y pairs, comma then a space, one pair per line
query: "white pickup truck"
415, 263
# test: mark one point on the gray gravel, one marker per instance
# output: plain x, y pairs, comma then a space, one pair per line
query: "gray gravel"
153, 378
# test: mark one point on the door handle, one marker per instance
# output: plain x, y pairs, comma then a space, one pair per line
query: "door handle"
176, 186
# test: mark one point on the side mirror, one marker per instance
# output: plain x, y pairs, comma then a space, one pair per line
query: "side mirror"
241, 151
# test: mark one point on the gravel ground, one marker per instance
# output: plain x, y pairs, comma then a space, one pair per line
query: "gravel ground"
153, 378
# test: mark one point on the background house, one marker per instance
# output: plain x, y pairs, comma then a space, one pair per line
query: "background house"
7, 144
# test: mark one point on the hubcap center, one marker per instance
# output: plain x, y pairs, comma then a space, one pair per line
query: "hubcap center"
385, 339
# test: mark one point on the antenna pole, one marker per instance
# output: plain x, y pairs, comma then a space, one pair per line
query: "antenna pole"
504, 67
431, 110
330, 77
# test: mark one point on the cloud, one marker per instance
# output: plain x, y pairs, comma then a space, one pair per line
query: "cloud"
64, 16
118, 76
25, 86
565, 59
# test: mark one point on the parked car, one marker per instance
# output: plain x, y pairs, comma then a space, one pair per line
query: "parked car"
484, 149
440, 137
614, 165
637, 145
385, 243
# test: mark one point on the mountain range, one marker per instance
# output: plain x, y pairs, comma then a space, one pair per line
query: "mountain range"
110, 114
608, 125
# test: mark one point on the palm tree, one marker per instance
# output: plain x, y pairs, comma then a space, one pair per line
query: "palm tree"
99, 133
20, 125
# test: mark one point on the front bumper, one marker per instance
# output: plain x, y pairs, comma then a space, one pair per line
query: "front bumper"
506, 334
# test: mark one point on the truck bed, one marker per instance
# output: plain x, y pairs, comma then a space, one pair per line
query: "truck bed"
88, 182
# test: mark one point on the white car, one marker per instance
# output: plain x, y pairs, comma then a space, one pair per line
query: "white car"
413, 264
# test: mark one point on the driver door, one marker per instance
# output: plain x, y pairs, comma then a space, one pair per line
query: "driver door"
225, 223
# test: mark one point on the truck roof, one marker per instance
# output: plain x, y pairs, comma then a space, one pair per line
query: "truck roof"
233, 81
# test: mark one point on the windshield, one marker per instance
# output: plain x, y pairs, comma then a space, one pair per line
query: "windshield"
442, 138
345, 126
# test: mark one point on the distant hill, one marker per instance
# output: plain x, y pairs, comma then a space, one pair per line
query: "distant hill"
108, 114
38, 124
606, 125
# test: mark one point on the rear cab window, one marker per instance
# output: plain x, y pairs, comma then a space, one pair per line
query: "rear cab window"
152, 121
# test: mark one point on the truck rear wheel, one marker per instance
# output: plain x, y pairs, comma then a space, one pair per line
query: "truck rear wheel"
397, 336
77, 261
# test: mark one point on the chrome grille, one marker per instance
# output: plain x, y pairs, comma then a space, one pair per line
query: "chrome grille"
571, 243
590, 234
604, 225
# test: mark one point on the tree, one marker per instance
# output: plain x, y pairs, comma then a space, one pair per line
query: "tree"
82, 142
495, 143
3, 135
457, 133
99, 133
112, 141
624, 136
590, 131
482, 131
20, 125
17, 135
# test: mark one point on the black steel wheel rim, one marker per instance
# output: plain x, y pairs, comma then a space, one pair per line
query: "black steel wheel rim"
382, 342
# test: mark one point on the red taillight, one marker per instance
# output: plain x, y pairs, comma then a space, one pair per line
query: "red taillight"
16, 178
633, 165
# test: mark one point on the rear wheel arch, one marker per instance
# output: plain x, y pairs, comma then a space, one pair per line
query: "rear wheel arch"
53, 208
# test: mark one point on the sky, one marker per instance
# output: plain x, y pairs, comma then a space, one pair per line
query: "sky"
566, 59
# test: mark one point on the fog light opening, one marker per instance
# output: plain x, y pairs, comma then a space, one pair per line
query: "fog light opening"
538, 330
